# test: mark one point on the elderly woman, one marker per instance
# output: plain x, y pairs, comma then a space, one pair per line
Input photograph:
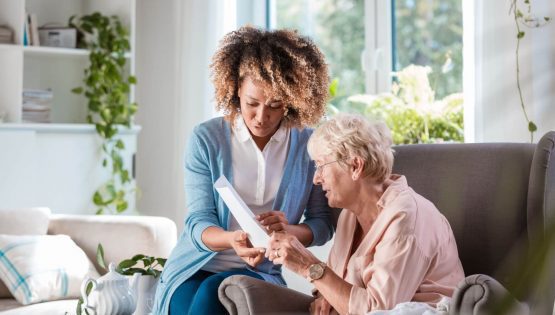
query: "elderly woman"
391, 244
270, 85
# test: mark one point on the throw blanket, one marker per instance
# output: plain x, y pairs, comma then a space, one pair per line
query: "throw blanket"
417, 308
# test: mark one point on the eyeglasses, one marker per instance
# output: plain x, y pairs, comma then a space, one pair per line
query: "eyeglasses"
318, 168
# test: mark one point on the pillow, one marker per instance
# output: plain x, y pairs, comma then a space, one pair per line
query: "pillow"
24, 221
38, 268
20, 222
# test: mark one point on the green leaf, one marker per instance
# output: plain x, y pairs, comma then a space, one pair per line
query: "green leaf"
132, 80
333, 87
125, 176
104, 162
520, 35
77, 90
97, 199
532, 127
79, 306
124, 264
138, 257
547, 18
100, 256
120, 145
99, 211
148, 260
121, 206
161, 261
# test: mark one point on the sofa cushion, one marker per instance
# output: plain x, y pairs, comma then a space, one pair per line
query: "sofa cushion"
33, 221
24, 221
12, 307
39, 268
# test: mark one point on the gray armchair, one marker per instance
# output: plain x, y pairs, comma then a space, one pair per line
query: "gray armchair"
495, 195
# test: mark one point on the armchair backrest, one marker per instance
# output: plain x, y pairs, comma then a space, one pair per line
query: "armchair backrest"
493, 194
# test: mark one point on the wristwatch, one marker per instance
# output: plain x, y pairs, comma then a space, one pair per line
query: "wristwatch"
316, 271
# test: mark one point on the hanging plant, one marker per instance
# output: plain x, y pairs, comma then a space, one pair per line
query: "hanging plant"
107, 87
529, 20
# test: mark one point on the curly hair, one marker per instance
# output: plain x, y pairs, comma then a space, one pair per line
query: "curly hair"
292, 66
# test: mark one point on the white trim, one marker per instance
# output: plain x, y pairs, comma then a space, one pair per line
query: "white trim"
376, 58
470, 68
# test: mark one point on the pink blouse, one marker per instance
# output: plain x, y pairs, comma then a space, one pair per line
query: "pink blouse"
409, 254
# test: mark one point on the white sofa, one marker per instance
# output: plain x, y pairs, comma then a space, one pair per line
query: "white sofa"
121, 237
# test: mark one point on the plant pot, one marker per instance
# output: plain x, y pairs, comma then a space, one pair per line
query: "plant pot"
146, 289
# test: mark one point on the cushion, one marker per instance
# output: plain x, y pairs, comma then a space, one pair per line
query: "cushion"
20, 222
24, 221
38, 268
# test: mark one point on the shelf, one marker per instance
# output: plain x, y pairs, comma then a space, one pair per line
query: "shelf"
53, 51
9, 46
61, 128
56, 51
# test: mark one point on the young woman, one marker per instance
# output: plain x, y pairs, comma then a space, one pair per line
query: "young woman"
270, 85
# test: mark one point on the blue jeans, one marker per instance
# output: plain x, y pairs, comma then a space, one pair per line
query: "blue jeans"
199, 294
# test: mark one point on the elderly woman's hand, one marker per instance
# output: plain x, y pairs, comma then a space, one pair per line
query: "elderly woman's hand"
320, 306
273, 221
243, 248
286, 249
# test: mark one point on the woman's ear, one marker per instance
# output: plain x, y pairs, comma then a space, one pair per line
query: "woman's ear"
357, 166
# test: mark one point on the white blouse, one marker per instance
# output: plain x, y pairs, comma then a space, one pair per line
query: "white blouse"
256, 177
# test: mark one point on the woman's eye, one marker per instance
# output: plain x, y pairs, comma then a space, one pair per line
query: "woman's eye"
252, 104
276, 106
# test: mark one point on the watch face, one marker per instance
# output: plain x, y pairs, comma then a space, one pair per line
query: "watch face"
316, 271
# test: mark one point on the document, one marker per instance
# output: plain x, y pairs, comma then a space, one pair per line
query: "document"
244, 216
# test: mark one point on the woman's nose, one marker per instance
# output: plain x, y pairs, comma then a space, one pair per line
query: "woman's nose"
262, 113
317, 179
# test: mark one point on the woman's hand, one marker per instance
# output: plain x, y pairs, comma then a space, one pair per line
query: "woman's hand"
273, 221
286, 249
320, 306
243, 247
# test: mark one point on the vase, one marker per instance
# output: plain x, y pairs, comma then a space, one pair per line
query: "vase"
146, 289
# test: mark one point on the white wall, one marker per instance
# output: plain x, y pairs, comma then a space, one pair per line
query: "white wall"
175, 42
157, 56
498, 115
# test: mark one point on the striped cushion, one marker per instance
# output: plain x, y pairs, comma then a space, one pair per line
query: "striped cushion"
38, 268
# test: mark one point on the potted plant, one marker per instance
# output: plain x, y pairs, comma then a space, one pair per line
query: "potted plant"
150, 269
107, 86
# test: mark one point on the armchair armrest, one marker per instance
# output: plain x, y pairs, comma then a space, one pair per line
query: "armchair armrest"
120, 236
481, 294
246, 295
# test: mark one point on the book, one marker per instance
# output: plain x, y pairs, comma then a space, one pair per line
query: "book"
244, 216
34, 29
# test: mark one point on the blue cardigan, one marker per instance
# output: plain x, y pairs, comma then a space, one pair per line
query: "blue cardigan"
208, 156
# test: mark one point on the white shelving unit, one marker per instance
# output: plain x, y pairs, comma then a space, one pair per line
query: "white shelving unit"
57, 165
58, 69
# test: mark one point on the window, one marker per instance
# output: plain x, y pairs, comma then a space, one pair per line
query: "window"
337, 27
366, 41
429, 33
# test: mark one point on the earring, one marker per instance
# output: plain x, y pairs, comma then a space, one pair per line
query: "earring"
286, 112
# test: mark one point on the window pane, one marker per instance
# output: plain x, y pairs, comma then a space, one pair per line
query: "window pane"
337, 27
429, 33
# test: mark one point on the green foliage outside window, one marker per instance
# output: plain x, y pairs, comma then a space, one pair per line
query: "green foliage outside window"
428, 33
410, 110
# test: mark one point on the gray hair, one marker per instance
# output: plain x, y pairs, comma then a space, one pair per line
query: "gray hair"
348, 135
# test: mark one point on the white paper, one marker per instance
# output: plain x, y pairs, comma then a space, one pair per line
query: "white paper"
244, 216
